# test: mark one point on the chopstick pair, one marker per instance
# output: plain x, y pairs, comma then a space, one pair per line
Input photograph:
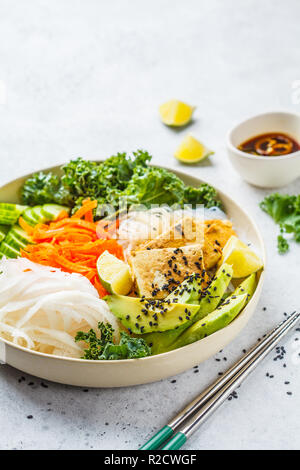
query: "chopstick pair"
190, 418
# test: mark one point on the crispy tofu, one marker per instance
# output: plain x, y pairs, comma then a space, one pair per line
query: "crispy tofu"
212, 235
187, 232
218, 232
158, 271
183, 232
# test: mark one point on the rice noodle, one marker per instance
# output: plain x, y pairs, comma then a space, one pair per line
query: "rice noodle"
42, 307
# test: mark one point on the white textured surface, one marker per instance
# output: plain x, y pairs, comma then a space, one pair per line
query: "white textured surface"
85, 78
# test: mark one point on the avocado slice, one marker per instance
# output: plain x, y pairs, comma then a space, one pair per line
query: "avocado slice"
248, 286
216, 320
189, 291
212, 295
140, 316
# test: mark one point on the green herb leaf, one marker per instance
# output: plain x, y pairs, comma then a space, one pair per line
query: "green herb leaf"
285, 210
103, 348
282, 244
120, 177
204, 194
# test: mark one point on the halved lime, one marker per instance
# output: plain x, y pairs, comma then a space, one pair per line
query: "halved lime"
114, 274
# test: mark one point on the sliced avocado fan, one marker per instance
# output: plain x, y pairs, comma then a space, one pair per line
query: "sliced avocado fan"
140, 316
216, 320
211, 297
248, 286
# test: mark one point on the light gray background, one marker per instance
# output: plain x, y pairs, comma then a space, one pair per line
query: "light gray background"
85, 78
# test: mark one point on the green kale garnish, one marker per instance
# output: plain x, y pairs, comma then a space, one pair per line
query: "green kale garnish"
204, 194
40, 189
119, 178
282, 244
45, 188
154, 185
103, 348
285, 210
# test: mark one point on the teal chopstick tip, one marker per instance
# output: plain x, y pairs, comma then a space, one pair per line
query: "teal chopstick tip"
176, 442
161, 436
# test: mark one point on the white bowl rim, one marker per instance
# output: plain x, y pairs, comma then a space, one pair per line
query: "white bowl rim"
148, 358
258, 158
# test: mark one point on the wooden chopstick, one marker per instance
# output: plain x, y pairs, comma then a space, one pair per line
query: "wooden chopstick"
191, 417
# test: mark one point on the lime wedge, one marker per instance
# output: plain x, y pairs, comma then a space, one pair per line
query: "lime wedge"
242, 259
192, 150
176, 113
114, 274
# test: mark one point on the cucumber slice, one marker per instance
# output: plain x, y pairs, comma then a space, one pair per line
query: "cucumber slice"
37, 212
41, 214
9, 213
30, 217
14, 242
7, 206
52, 211
3, 231
20, 234
9, 251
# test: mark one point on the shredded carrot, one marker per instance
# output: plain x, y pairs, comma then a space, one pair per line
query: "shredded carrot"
87, 206
99, 287
62, 215
73, 244
107, 229
25, 226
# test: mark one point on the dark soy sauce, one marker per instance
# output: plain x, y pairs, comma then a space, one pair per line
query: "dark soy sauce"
273, 144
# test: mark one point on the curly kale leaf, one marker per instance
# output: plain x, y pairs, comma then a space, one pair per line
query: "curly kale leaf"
120, 177
280, 206
103, 348
285, 210
87, 178
128, 348
159, 186
154, 186
204, 194
118, 170
282, 244
45, 188
40, 189
81, 179
95, 343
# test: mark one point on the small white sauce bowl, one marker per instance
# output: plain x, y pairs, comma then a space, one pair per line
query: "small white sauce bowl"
265, 172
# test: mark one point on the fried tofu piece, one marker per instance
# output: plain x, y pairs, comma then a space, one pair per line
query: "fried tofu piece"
218, 232
188, 231
212, 235
183, 232
159, 270
211, 253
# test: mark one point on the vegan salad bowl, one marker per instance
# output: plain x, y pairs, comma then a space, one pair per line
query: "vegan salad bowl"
119, 273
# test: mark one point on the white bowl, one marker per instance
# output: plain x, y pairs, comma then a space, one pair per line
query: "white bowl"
265, 172
149, 369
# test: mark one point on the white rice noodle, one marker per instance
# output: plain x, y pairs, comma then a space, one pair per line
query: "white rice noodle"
42, 308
